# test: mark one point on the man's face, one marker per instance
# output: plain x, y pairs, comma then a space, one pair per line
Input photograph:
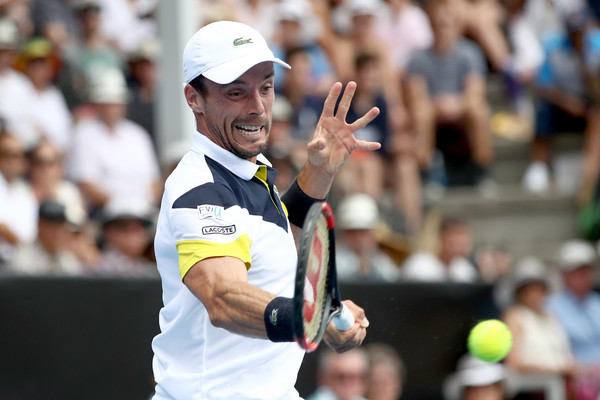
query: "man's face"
580, 280
237, 116
456, 241
127, 235
443, 21
347, 376
12, 158
111, 113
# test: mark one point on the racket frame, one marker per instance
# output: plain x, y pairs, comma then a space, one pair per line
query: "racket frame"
332, 303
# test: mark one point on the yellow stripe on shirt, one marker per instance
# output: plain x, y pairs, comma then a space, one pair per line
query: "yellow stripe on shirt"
192, 251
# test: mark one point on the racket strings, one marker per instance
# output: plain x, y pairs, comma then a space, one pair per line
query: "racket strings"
316, 280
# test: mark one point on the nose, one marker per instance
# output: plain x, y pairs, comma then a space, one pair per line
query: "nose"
256, 104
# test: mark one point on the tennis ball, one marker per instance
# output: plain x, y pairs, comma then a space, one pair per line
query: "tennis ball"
490, 340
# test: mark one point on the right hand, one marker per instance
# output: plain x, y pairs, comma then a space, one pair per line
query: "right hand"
341, 341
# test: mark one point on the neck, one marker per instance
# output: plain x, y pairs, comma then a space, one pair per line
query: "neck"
443, 46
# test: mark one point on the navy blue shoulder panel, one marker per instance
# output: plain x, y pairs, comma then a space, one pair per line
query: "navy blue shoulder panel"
229, 190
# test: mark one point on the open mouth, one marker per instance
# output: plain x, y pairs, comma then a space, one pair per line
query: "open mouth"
249, 130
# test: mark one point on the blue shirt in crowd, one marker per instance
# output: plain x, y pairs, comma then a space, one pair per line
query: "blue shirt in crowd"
581, 321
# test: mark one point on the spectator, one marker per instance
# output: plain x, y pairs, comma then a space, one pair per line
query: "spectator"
387, 372
281, 147
527, 56
142, 68
298, 27
540, 344
450, 262
126, 23
20, 12
577, 308
493, 262
476, 380
256, 13
18, 206
112, 156
362, 37
298, 89
341, 376
126, 239
47, 180
52, 117
394, 164
16, 92
54, 19
49, 254
87, 55
357, 253
568, 100
446, 87
406, 30
366, 171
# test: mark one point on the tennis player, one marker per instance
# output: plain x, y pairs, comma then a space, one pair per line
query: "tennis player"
224, 244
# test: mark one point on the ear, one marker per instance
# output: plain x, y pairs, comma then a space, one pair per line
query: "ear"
194, 100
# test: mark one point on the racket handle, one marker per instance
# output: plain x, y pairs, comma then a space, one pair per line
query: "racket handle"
344, 320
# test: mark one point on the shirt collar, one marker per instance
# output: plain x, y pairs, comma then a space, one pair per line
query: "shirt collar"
243, 168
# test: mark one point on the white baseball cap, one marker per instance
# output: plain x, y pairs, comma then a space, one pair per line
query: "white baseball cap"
574, 254
357, 211
108, 87
364, 7
222, 51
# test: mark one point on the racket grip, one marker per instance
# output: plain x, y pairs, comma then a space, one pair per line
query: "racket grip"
344, 320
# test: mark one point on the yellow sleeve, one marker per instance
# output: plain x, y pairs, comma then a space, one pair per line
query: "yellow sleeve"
192, 251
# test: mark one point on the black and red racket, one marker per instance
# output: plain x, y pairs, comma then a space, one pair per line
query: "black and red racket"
317, 297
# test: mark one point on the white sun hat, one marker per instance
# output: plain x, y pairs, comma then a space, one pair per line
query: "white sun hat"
357, 211
222, 51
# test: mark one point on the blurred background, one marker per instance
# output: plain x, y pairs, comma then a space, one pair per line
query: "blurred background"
483, 202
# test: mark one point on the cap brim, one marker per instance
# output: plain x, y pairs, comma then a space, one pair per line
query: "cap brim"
231, 70
481, 376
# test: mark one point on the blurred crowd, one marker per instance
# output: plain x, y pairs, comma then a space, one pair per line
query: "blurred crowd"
80, 177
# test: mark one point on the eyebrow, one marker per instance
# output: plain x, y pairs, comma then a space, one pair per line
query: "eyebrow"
242, 82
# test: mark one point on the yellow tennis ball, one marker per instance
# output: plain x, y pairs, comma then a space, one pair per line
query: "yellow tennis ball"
490, 340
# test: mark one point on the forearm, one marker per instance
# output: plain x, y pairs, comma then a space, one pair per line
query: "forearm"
231, 302
240, 308
8, 235
93, 194
314, 181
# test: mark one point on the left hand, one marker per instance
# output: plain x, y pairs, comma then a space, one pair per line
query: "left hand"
334, 140
341, 341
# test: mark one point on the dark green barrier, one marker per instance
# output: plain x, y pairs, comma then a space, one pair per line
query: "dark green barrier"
75, 339
426, 323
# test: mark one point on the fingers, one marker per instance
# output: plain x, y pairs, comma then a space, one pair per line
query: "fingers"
365, 119
364, 145
341, 341
358, 312
344, 105
331, 100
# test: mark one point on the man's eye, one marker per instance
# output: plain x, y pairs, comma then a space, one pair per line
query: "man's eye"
235, 94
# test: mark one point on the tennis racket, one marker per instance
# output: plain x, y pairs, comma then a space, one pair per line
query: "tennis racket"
316, 295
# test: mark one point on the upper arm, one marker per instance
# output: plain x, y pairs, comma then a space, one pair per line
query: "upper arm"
221, 284
206, 223
475, 87
208, 278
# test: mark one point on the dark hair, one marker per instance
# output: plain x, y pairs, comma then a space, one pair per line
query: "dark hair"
453, 221
294, 51
363, 59
199, 83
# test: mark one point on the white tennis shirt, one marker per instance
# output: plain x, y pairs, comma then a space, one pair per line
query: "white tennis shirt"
217, 204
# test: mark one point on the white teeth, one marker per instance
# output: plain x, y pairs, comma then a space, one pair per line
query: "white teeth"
249, 129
